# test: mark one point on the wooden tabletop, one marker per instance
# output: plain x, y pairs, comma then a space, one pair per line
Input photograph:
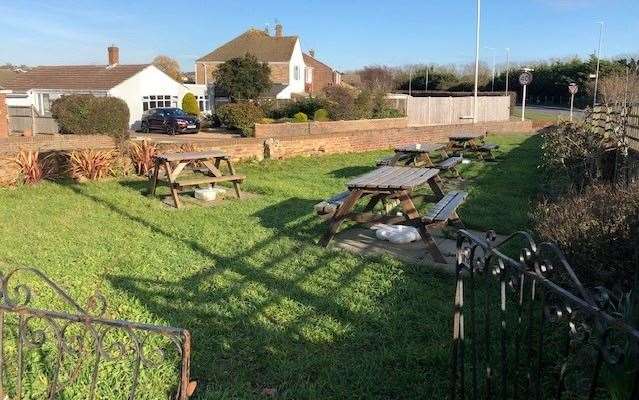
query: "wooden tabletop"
465, 136
191, 155
394, 178
419, 148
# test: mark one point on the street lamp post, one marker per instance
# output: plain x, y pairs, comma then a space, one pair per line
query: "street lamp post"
594, 97
507, 67
492, 86
476, 61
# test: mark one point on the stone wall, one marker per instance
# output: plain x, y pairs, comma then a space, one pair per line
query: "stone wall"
315, 128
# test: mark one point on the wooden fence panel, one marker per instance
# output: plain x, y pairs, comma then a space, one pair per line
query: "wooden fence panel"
423, 111
23, 119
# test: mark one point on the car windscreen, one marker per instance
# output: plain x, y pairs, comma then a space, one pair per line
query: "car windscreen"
175, 112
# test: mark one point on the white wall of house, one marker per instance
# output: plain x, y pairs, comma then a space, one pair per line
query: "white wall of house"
148, 88
295, 73
202, 95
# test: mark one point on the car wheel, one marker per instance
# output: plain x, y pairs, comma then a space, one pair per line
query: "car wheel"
145, 127
170, 129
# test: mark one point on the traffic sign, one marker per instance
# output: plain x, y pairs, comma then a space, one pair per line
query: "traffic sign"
573, 88
525, 78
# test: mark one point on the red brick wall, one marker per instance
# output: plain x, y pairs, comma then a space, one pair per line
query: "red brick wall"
4, 118
322, 75
293, 129
279, 147
9, 147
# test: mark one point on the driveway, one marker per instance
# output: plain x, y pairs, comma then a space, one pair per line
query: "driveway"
202, 136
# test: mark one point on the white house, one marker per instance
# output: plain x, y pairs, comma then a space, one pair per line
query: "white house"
141, 86
282, 53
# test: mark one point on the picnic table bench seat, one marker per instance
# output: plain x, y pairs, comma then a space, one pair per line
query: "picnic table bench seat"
446, 208
392, 160
488, 148
330, 206
202, 180
450, 162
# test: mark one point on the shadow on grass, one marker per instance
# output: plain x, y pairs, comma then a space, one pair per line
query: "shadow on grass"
351, 172
502, 193
283, 313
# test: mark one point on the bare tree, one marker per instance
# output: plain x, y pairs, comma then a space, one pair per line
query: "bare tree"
169, 65
377, 77
620, 88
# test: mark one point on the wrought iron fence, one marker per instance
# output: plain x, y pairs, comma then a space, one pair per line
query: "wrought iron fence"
79, 353
526, 328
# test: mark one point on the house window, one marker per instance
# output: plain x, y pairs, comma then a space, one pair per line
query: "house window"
203, 102
296, 73
46, 104
309, 74
157, 101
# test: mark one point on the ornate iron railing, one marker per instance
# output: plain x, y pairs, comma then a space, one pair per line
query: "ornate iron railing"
528, 329
79, 353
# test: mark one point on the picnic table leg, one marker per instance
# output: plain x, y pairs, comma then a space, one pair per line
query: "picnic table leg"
373, 202
411, 212
434, 186
340, 215
236, 184
154, 179
174, 192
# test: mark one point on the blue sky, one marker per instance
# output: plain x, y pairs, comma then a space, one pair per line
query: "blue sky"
347, 33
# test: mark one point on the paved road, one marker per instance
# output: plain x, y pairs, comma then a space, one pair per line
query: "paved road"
551, 111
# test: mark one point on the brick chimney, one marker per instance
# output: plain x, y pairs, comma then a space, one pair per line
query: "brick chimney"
114, 55
311, 52
279, 30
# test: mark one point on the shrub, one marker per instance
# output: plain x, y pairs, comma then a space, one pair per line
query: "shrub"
72, 113
340, 103
597, 230
388, 112
90, 164
142, 153
267, 121
34, 167
244, 77
321, 115
90, 115
110, 116
241, 116
300, 117
573, 151
189, 104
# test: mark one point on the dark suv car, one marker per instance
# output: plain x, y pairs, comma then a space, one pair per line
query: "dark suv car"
169, 120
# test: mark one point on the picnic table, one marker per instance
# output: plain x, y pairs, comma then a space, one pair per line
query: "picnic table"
205, 165
473, 142
419, 154
386, 183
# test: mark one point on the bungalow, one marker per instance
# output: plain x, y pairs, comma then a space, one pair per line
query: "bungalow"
141, 86
292, 71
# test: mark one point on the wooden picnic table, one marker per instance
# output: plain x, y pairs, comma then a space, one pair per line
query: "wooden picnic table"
209, 173
417, 154
465, 139
380, 185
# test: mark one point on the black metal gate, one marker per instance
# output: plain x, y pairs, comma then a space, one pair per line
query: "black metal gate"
526, 328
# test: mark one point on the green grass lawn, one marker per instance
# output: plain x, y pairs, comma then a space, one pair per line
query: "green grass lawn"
266, 306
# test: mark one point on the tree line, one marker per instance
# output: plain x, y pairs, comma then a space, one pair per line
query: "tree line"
618, 79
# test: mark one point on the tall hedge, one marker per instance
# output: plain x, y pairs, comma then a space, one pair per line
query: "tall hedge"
189, 104
90, 115
241, 116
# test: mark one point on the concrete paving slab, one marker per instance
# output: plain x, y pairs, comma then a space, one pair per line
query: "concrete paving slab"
363, 241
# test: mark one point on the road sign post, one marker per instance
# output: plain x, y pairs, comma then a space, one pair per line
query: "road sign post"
572, 88
525, 79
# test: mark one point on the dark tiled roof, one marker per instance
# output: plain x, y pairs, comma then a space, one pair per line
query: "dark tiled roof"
7, 75
312, 61
74, 77
258, 43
